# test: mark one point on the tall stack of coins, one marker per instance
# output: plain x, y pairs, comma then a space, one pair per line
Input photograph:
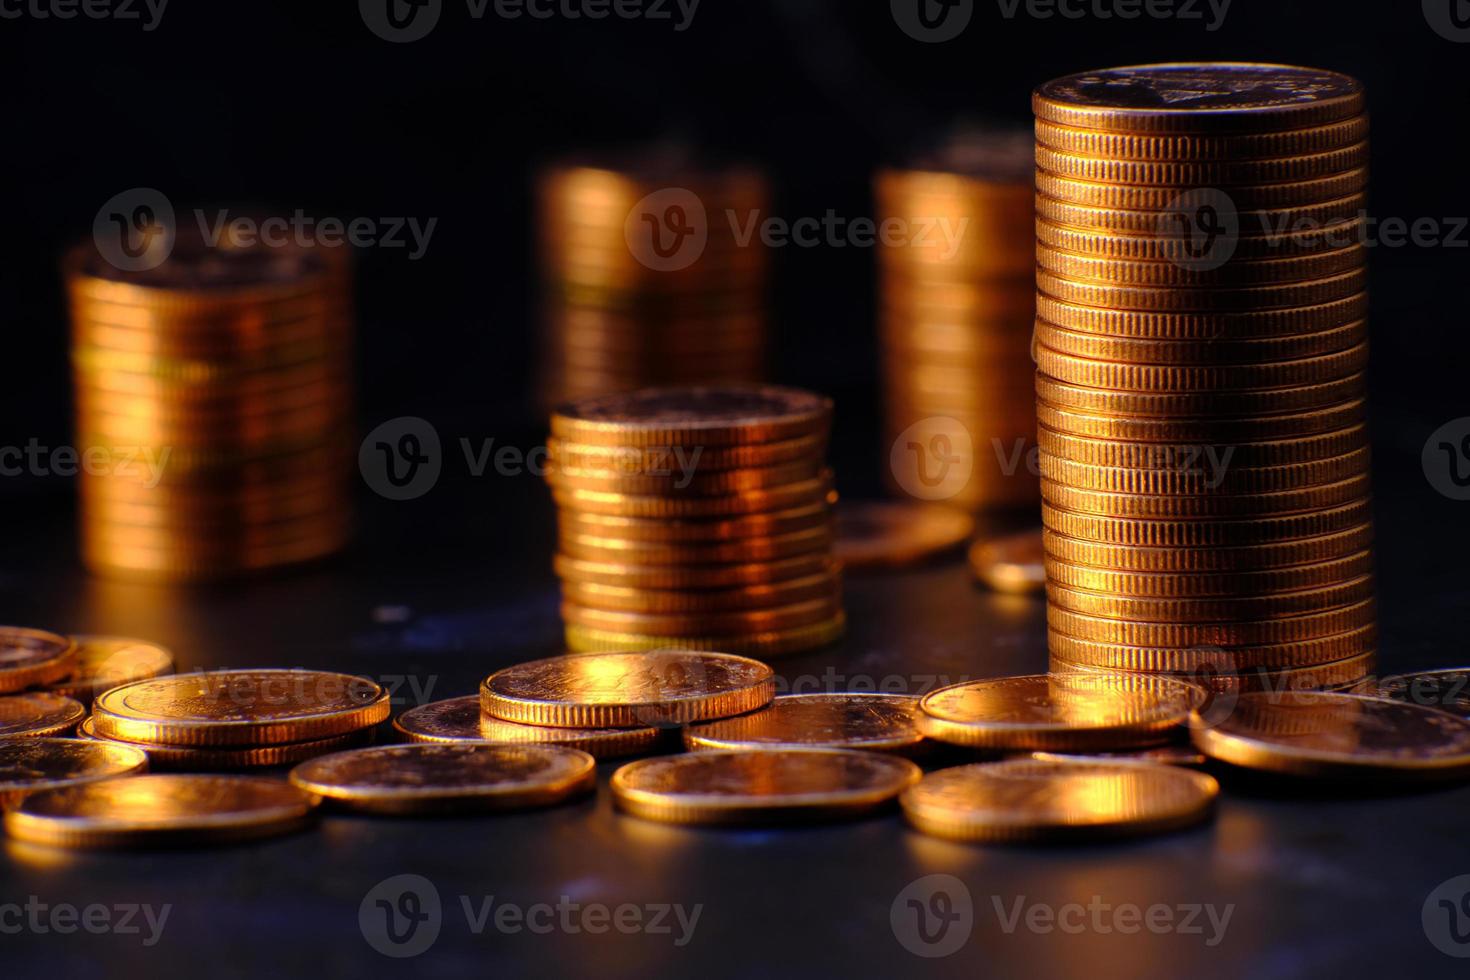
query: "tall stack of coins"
1200, 345
649, 274
697, 518
958, 299
214, 406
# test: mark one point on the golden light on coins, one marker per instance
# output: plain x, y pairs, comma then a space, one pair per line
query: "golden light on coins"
957, 304
1200, 374
31, 765
647, 278
214, 407
39, 715
696, 518
105, 662
34, 658
461, 720
862, 721
895, 534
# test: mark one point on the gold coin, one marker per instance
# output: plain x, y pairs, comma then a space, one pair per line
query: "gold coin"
685, 479
1218, 676
30, 658
1238, 272
693, 576
1448, 690
1034, 800
1339, 736
1210, 404
30, 765
802, 493
105, 662
1186, 585
440, 778
652, 530
240, 708
1110, 452
627, 690
1206, 533
1165, 197
1182, 660
618, 598
176, 758
1240, 146
1151, 507
1192, 353
38, 715
460, 720
642, 460
1164, 755
1266, 632
1203, 324
1133, 558
772, 786
1309, 222
1211, 610
711, 416
1192, 299
1012, 564
892, 535
866, 721
1167, 377
772, 643
1202, 431
740, 551
155, 810
759, 621
1057, 712
1160, 246
1221, 173
1205, 476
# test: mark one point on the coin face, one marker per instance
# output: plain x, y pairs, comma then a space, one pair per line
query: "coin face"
1058, 712
105, 662
880, 534
781, 785
1014, 564
31, 657
1448, 690
627, 690
29, 765
708, 415
38, 714
430, 778
871, 722
1338, 736
240, 707
1030, 800
157, 809
460, 720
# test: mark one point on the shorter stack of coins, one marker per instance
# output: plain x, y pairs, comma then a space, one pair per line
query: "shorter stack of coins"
648, 278
214, 402
958, 299
698, 518
238, 719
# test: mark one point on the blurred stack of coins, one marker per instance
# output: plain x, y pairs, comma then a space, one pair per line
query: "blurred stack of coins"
696, 518
213, 392
958, 299
648, 278
1201, 344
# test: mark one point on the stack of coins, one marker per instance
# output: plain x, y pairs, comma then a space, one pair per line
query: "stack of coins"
958, 299
238, 719
698, 518
1200, 345
649, 276
213, 404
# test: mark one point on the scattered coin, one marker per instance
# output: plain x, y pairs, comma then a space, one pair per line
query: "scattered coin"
29, 765
869, 722
29, 658
181, 758
38, 715
461, 720
1013, 564
891, 535
105, 662
1164, 755
1448, 690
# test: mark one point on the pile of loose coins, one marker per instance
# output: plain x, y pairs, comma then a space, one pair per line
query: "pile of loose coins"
649, 279
958, 301
698, 518
214, 403
1201, 344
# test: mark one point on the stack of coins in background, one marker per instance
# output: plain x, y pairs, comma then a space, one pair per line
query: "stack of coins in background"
957, 303
1200, 379
647, 278
213, 388
696, 518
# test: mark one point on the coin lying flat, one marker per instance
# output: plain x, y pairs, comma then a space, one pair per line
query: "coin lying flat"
627, 690
105, 662
460, 720
182, 758
886, 535
697, 416
1164, 755
39, 715
1334, 736
240, 707
1013, 564
157, 809
30, 765
1058, 712
442, 778
1031, 800
869, 722
776, 786
1448, 690
29, 658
